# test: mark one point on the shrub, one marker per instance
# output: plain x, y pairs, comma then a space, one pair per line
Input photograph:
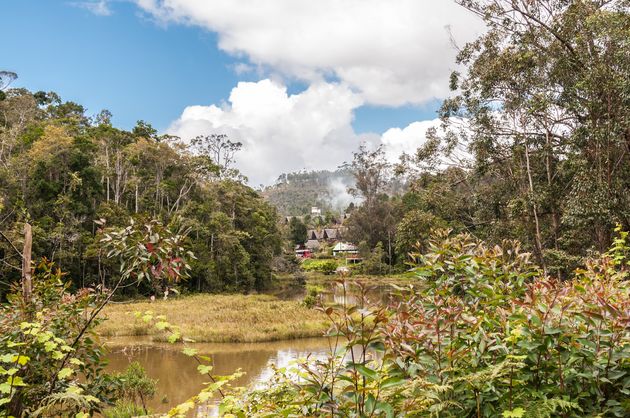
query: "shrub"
44, 345
329, 267
124, 409
483, 334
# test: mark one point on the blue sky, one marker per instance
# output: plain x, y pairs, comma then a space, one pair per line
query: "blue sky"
135, 67
315, 78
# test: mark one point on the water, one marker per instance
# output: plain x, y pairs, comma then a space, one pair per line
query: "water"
177, 375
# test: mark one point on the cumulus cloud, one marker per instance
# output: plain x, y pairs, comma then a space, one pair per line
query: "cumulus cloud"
280, 132
391, 52
284, 132
407, 139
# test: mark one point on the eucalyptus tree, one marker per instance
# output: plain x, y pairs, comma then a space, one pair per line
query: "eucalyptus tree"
546, 99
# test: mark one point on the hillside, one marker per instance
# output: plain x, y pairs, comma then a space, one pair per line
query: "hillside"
296, 193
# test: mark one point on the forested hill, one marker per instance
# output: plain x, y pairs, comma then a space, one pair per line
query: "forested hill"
61, 170
296, 193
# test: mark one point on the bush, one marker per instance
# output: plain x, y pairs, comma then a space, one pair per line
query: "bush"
322, 266
124, 409
135, 386
329, 267
484, 333
43, 347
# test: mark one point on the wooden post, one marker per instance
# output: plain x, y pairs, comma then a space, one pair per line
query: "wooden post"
27, 281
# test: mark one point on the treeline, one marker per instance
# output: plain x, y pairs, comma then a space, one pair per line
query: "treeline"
535, 142
61, 170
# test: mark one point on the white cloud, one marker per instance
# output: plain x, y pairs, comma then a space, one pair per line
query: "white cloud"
284, 133
408, 139
280, 132
391, 52
97, 7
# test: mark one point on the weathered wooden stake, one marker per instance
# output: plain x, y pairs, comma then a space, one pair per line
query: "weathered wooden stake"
27, 280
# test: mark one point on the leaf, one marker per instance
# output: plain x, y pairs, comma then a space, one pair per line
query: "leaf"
21, 360
515, 413
391, 382
190, 352
365, 371
204, 369
76, 362
65, 372
7, 358
162, 325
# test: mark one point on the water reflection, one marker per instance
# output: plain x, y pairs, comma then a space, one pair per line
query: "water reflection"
177, 375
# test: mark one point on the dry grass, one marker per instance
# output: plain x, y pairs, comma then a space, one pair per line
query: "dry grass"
219, 318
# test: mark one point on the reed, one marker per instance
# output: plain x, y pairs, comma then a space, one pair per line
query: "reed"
219, 318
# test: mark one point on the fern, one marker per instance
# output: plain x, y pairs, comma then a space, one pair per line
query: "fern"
547, 408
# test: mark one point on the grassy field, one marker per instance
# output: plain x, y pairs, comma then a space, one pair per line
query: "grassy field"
219, 318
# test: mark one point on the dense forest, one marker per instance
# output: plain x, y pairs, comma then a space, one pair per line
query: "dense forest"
61, 171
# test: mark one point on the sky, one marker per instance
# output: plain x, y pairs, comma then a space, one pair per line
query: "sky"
301, 83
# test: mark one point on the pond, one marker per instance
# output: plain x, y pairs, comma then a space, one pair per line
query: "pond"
177, 375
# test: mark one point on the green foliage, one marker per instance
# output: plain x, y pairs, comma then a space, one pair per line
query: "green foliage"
541, 106
124, 409
60, 171
326, 266
413, 231
135, 388
297, 231
373, 264
45, 345
148, 251
483, 335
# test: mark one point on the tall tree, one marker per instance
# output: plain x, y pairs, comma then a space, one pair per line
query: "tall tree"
545, 97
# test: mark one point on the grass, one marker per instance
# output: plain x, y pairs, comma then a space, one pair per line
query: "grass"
219, 318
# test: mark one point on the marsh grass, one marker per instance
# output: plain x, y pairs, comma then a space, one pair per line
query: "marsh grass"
219, 318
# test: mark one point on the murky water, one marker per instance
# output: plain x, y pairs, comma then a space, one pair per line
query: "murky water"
177, 375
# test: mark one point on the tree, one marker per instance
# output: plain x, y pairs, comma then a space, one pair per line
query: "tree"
375, 220
546, 115
297, 231
221, 150
414, 231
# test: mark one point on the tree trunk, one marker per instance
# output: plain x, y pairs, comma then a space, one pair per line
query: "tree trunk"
27, 282
535, 210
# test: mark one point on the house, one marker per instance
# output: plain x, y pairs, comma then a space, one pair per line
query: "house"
314, 234
345, 248
331, 234
312, 244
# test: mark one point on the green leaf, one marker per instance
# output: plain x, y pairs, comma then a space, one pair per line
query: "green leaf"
21, 360
204, 369
65, 372
365, 371
189, 351
76, 362
391, 382
515, 413
162, 325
